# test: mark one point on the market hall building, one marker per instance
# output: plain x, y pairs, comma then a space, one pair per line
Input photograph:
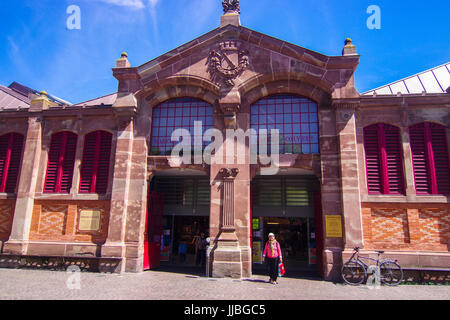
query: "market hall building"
96, 180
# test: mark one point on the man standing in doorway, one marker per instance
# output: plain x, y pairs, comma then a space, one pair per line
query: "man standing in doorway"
200, 250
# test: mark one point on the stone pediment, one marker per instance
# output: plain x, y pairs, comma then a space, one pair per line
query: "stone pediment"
235, 57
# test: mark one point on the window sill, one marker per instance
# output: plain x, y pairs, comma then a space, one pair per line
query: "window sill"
8, 196
406, 199
71, 197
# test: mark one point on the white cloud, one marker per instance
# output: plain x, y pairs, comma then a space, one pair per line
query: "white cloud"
137, 4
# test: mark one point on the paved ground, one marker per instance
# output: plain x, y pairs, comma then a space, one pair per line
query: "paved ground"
37, 285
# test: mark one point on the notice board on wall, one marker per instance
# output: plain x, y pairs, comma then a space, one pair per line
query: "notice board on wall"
333, 226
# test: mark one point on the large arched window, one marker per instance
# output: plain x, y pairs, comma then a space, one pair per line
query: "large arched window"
430, 158
178, 114
61, 161
295, 117
384, 165
96, 161
11, 148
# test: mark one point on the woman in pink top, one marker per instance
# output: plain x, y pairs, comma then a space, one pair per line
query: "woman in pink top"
272, 252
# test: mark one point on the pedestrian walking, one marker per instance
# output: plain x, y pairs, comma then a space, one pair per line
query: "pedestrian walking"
200, 250
272, 254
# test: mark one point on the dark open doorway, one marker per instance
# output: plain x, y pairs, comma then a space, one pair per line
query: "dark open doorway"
289, 207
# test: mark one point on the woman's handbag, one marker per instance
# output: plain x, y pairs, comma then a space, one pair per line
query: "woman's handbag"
281, 271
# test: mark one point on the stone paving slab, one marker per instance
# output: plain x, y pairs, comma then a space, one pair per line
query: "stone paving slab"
48, 285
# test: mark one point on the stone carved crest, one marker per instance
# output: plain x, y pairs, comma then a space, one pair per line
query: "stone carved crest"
227, 62
231, 6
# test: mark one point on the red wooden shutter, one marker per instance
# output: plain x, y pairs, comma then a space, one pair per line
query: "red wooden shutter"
104, 163
68, 163
14, 165
87, 167
382, 144
394, 159
61, 161
11, 148
373, 163
441, 157
96, 161
4, 143
420, 159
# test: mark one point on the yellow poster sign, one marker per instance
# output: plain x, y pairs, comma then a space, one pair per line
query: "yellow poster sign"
333, 226
257, 252
89, 220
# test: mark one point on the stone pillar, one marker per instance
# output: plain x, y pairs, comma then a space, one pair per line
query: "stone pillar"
115, 243
351, 193
230, 193
227, 253
330, 189
18, 241
137, 207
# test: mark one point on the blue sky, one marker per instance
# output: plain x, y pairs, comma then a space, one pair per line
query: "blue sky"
38, 50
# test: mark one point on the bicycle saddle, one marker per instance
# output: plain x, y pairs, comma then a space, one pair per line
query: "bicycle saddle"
381, 252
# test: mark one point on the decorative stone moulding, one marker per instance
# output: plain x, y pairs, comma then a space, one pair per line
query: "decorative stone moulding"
229, 173
227, 62
231, 6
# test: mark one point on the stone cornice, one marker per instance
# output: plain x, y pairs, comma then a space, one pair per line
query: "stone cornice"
423, 101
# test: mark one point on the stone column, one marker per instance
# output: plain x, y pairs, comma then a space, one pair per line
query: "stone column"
137, 207
230, 194
115, 243
351, 194
330, 189
227, 253
18, 241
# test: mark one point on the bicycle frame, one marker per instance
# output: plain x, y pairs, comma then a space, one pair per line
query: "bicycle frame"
361, 259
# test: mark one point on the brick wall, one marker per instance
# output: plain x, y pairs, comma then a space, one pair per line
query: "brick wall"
59, 221
6, 218
407, 227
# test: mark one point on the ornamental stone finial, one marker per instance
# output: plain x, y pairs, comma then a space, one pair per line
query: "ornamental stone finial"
231, 6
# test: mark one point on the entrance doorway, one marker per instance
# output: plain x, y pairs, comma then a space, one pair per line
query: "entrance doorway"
181, 236
296, 237
287, 207
178, 215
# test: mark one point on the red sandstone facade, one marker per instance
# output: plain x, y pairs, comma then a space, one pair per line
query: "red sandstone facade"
413, 228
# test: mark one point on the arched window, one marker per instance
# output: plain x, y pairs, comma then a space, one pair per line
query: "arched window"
61, 161
11, 148
430, 158
384, 165
295, 117
96, 161
178, 114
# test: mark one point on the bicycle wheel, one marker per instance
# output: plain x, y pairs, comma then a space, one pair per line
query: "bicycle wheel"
391, 273
354, 273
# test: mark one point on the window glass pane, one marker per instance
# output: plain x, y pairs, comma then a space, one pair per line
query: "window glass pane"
178, 114
293, 116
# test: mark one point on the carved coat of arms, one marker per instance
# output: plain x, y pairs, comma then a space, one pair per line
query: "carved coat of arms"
227, 62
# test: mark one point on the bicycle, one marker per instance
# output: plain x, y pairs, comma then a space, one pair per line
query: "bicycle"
354, 271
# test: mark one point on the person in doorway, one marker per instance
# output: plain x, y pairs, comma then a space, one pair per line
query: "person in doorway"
272, 254
182, 250
200, 250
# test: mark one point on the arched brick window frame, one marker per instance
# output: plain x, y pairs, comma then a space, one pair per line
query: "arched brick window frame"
11, 149
94, 174
294, 116
384, 161
61, 162
431, 162
180, 113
